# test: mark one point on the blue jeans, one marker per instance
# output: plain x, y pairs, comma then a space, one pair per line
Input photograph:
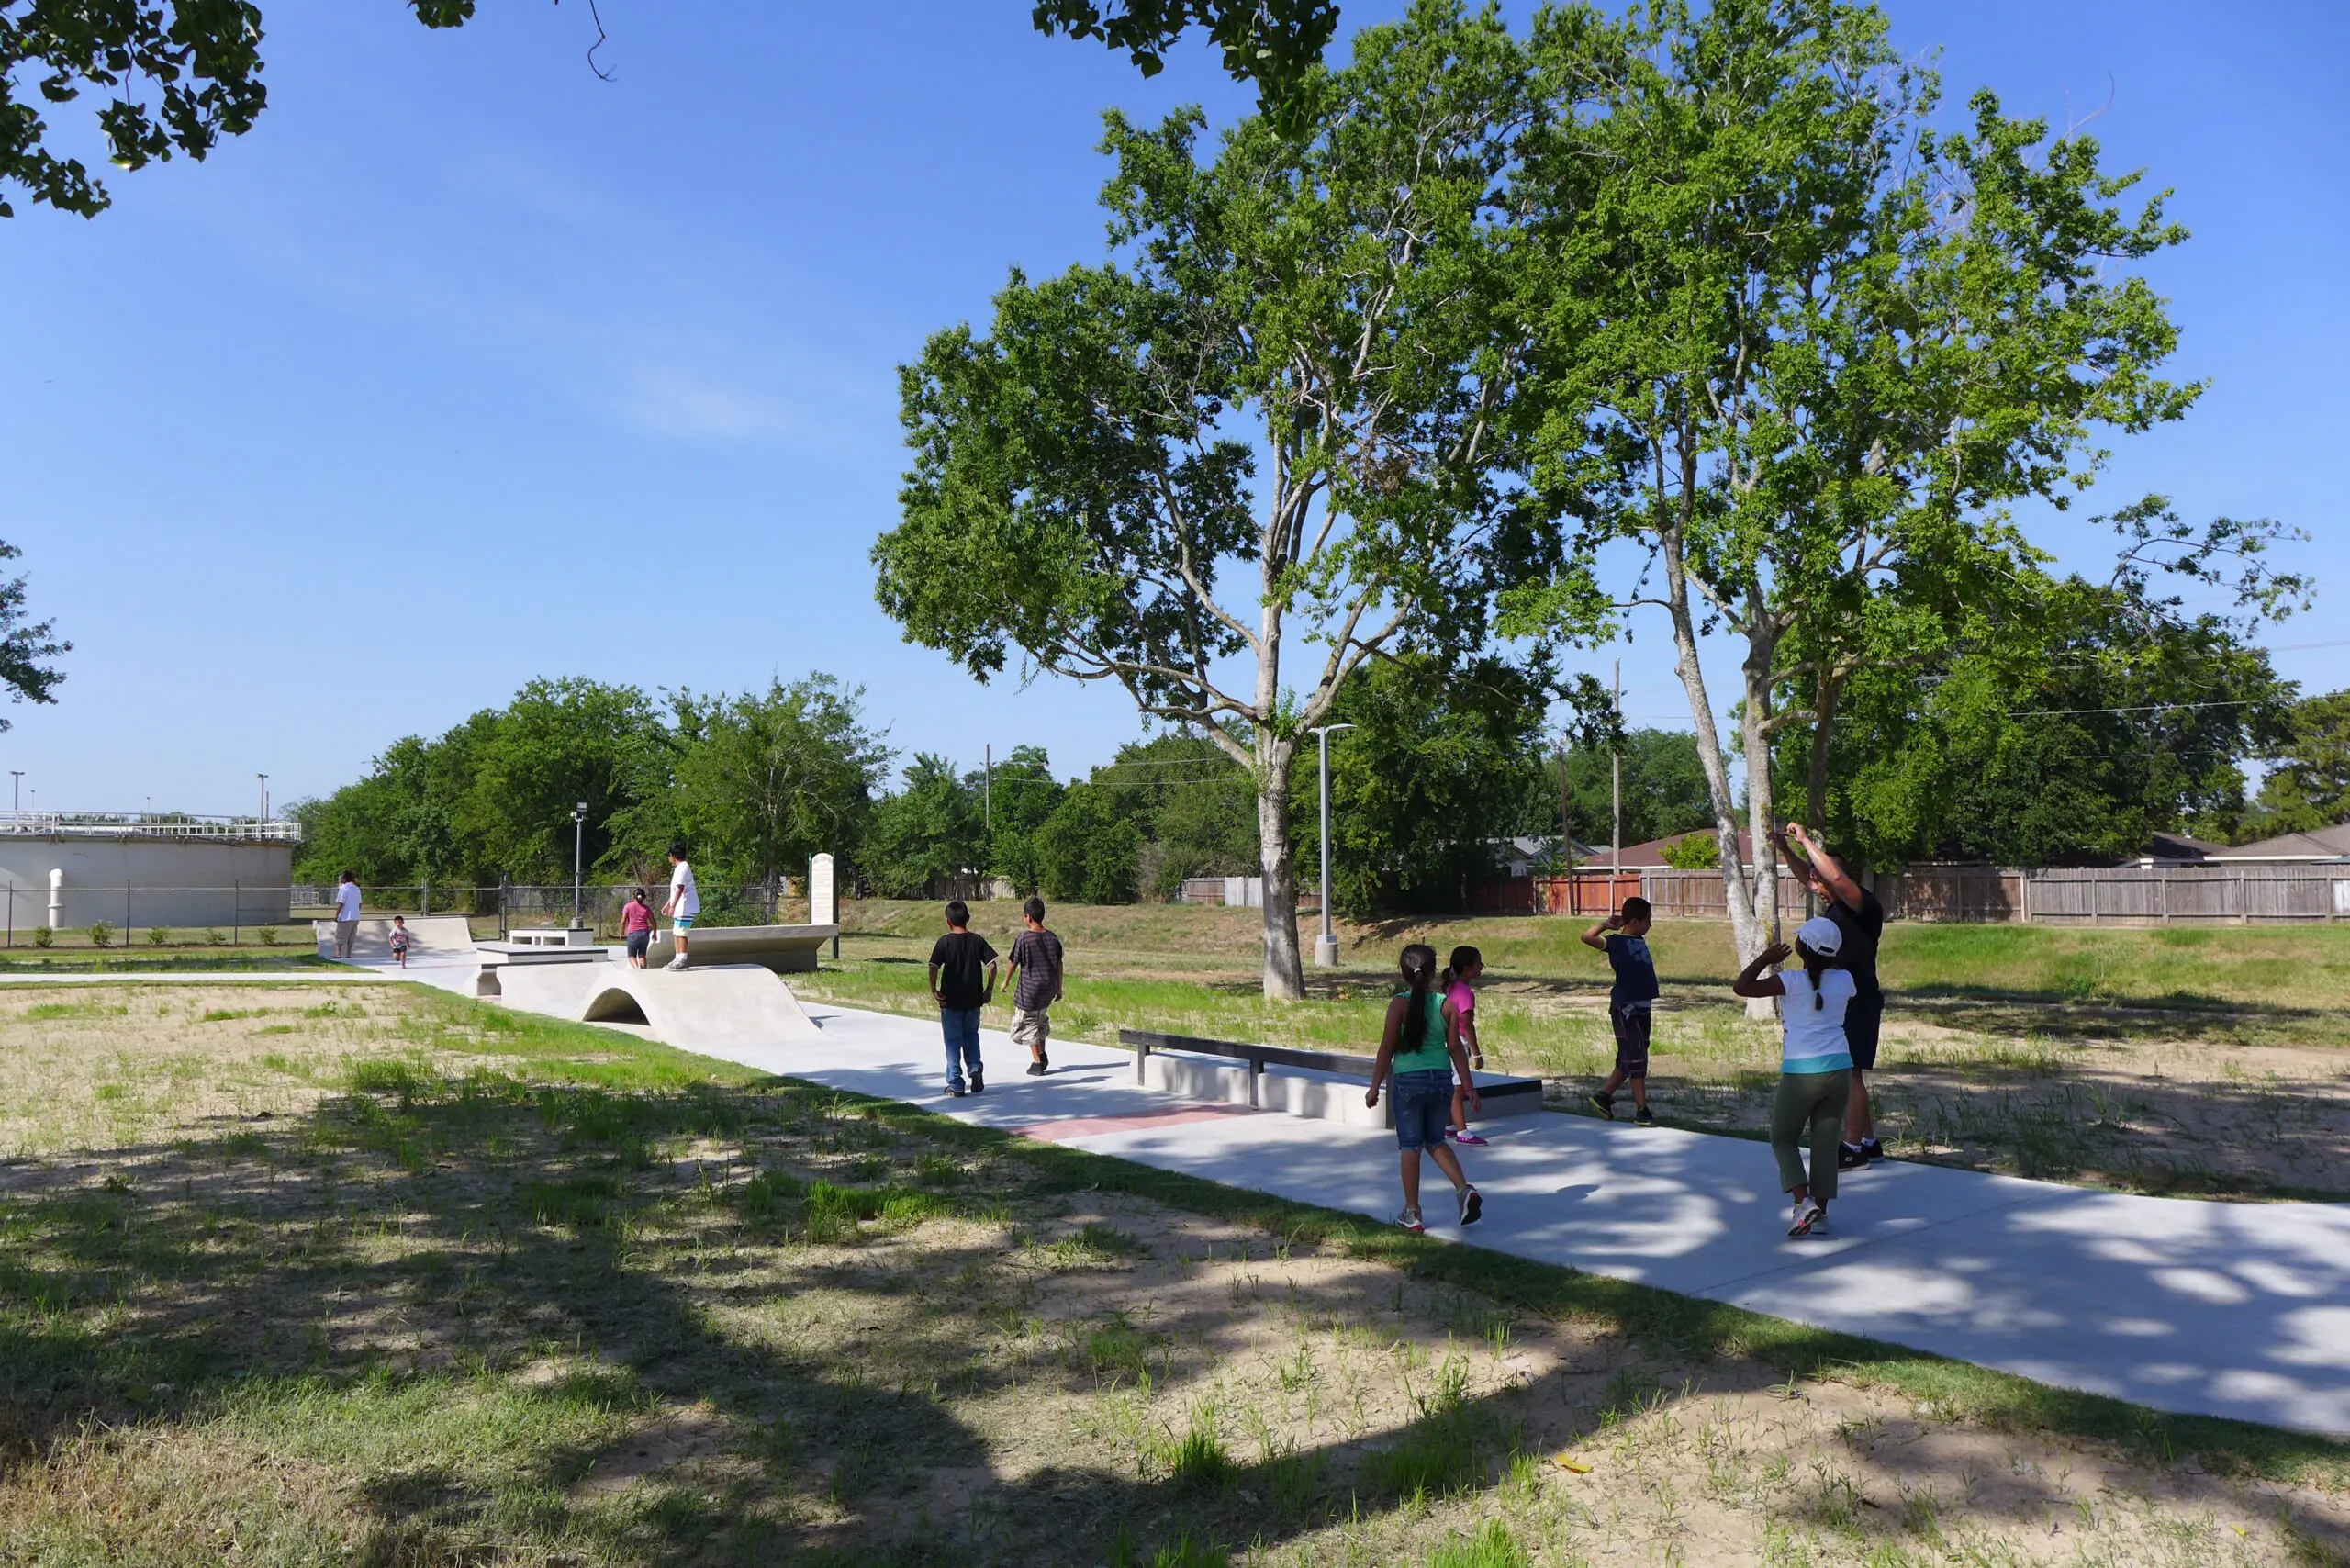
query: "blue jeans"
961, 1025
1423, 1101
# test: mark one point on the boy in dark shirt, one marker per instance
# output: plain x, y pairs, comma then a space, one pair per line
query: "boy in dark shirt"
1036, 979
962, 980
1624, 938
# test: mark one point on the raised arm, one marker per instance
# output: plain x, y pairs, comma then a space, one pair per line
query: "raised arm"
1819, 867
1596, 937
1752, 981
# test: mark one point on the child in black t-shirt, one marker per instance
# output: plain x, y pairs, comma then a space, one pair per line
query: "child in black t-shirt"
1623, 937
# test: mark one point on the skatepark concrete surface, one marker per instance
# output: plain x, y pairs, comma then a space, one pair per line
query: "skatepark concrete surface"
2183, 1305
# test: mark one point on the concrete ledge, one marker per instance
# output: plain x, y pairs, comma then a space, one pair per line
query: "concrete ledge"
786, 949
1319, 1096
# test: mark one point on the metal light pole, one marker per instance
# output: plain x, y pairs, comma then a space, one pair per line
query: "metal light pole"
265, 795
1325, 947
16, 790
579, 841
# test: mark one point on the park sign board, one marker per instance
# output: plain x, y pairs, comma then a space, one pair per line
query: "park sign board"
824, 894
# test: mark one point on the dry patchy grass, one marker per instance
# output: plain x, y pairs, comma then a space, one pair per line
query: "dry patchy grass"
514, 1316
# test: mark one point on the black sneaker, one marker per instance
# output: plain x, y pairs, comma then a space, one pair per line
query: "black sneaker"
1644, 1117
1873, 1149
979, 1081
1035, 1070
957, 1089
1849, 1156
1604, 1105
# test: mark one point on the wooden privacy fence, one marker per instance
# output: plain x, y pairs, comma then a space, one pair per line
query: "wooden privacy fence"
2249, 892
2217, 891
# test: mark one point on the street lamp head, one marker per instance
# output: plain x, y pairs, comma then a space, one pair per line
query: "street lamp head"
580, 809
1328, 729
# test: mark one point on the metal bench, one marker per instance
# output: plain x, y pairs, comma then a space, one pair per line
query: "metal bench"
1500, 1095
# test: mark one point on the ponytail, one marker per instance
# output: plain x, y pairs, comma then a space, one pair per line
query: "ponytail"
1463, 960
1419, 973
1814, 966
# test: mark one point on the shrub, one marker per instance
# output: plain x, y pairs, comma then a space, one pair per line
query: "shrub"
43, 936
157, 937
267, 936
101, 934
215, 937
1699, 851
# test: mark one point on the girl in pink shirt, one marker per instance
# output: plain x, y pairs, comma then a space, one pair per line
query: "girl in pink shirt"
1461, 1017
637, 926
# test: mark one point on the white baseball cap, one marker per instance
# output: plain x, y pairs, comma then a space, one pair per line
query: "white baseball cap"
1821, 934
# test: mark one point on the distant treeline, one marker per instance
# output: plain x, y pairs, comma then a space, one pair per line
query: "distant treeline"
1426, 790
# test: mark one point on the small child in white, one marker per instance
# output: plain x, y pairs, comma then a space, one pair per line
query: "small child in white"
399, 939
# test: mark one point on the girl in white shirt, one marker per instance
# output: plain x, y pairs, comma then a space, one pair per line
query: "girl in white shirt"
1815, 1071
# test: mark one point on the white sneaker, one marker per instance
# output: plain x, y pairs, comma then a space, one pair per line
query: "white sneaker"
676, 963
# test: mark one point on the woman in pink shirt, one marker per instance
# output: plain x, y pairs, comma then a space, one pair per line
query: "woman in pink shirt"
1461, 1017
637, 924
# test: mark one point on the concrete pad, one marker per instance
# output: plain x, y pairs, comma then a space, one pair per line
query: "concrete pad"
435, 935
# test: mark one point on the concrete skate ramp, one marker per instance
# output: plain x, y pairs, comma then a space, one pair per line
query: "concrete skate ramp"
730, 1007
429, 936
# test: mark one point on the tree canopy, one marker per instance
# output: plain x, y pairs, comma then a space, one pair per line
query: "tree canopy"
1299, 362
1274, 43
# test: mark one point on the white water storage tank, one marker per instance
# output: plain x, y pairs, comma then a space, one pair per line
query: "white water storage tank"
72, 871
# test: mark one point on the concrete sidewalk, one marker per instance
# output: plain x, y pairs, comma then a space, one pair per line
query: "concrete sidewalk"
2224, 1309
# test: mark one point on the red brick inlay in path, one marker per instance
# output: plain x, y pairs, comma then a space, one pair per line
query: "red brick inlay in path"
1126, 1121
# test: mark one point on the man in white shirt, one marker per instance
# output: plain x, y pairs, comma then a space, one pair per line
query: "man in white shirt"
346, 915
684, 902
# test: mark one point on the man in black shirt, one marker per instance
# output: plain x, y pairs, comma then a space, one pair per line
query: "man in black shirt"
962, 980
1855, 911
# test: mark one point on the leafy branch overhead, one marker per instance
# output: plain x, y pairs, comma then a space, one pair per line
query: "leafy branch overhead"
170, 77
1274, 43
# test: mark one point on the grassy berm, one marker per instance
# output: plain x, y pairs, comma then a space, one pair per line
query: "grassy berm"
2184, 1059
328, 1275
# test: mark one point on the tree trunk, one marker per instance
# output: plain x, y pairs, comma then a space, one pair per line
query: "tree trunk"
1745, 931
1277, 856
1754, 736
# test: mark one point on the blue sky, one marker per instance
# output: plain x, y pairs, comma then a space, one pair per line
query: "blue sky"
466, 367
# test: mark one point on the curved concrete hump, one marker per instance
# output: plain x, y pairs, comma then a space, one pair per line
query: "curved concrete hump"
428, 936
725, 1007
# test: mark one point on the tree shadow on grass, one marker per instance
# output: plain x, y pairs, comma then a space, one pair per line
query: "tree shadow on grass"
506, 1321
513, 1318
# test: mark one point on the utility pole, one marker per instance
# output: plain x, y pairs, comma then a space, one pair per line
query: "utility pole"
1615, 788
1325, 947
987, 792
265, 795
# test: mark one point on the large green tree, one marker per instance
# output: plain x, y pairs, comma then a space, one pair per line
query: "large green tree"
1440, 768
927, 833
1664, 787
1801, 347
2308, 783
1299, 367
766, 779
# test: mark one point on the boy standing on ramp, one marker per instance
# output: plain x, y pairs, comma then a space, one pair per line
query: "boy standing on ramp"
684, 904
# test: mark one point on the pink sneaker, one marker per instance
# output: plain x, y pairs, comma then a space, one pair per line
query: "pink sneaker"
1471, 1140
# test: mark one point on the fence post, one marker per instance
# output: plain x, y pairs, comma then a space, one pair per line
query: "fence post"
126, 915
237, 912
2162, 890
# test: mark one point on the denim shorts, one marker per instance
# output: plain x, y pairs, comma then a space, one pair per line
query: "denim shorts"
1423, 1103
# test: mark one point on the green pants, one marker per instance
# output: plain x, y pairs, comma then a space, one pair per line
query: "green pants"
1814, 1099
